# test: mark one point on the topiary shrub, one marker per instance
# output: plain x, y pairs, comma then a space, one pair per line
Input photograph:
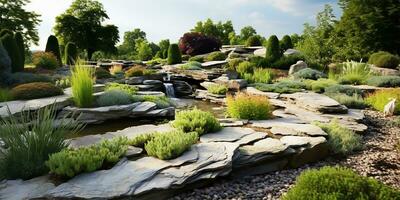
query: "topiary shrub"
216, 56
286, 86
309, 73
191, 65
174, 54
244, 106
245, 67
53, 47
384, 59
114, 97
217, 89
170, 145
384, 81
71, 162
5, 65
102, 73
195, 43
196, 120
11, 47
273, 51
253, 41
71, 53
197, 59
35, 91
338, 183
286, 43
45, 60
21, 46
343, 89
380, 98
130, 89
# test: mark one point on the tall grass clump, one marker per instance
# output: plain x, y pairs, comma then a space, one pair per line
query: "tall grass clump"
341, 140
244, 106
30, 139
338, 183
82, 79
259, 75
380, 98
170, 145
196, 120
354, 73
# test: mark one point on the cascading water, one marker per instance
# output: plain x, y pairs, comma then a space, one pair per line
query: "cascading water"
169, 90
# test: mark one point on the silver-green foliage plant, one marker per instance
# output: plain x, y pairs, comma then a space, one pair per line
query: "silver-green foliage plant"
82, 79
71, 162
353, 101
354, 73
131, 90
29, 139
114, 97
170, 145
196, 120
341, 140
160, 101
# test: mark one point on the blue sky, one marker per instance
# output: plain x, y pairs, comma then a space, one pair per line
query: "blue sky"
162, 19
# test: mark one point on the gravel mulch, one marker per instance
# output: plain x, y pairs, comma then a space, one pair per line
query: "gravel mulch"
380, 159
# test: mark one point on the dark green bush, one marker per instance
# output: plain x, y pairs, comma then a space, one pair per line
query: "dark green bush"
197, 59
71, 53
286, 61
45, 60
102, 73
286, 43
196, 120
216, 56
343, 89
273, 51
286, 86
35, 91
71, 162
53, 47
385, 60
253, 41
23, 77
21, 46
171, 144
384, 81
174, 54
338, 183
11, 46
309, 73
259, 61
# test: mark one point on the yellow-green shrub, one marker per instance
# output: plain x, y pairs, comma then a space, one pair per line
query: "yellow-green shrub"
217, 89
380, 98
244, 106
196, 121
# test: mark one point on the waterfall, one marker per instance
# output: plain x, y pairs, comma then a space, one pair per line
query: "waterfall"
169, 89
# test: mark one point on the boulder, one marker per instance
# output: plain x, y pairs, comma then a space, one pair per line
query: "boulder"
384, 71
260, 52
134, 80
297, 67
290, 52
182, 88
30, 189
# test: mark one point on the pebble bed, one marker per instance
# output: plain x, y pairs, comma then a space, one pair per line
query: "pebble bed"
380, 159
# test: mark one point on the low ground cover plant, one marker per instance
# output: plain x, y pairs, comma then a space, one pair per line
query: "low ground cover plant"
341, 140
233, 63
35, 91
196, 120
30, 139
160, 101
132, 90
138, 71
216, 56
71, 162
319, 85
191, 65
114, 97
380, 98
353, 101
217, 89
82, 80
170, 145
309, 73
141, 140
384, 81
284, 86
343, 89
24, 77
63, 82
338, 183
244, 106
197, 59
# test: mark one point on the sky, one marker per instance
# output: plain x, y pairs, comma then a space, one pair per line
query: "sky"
170, 19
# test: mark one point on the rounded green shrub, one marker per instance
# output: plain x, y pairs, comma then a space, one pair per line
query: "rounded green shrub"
71, 53
216, 56
253, 41
21, 46
191, 65
35, 91
384, 81
259, 61
174, 54
309, 73
217, 89
384, 59
114, 97
196, 120
102, 73
130, 89
11, 46
45, 60
338, 183
233, 63
286, 43
197, 58
53, 47
273, 51
244, 106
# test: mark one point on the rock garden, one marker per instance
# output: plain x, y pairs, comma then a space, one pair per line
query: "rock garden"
201, 120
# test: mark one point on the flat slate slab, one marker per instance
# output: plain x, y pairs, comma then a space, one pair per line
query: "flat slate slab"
237, 135
283, 126
315, 102
271, 95
299, 141
213, 63
19, 189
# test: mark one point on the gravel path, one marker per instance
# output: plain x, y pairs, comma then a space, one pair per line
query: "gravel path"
380, 159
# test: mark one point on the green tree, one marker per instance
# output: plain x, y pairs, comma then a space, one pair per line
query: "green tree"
143, 49
53, 47
317, 44
295, 39
367, 26
247, 32
254, 40
218, 30
11, 47
286, 43
234, 39
21, 46
273, 50
71, 53
174, 54
13, 16
164, 45
81, 23
130, 37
